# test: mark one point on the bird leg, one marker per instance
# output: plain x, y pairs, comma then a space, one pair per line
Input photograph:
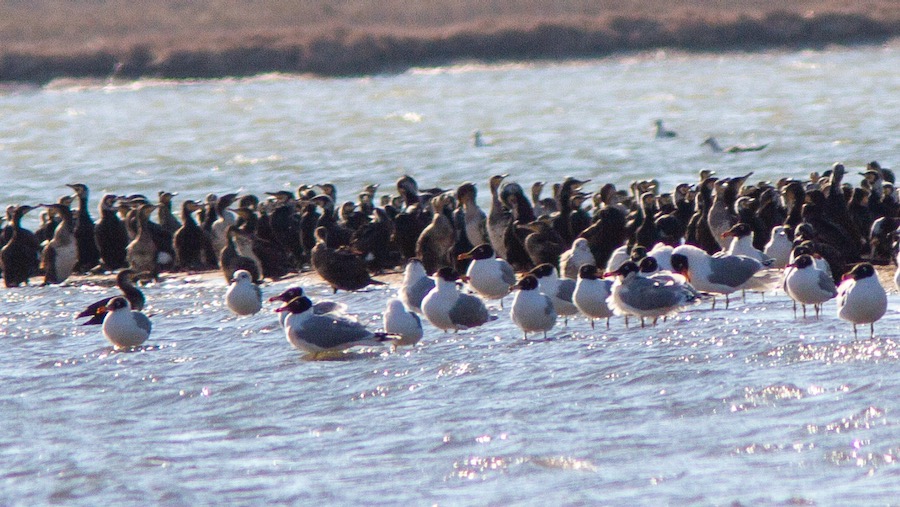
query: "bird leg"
804, 310
795, 309
592, 323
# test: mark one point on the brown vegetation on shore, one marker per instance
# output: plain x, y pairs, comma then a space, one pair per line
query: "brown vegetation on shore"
43, 40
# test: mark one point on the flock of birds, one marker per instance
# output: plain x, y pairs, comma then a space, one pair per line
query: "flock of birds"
638, 253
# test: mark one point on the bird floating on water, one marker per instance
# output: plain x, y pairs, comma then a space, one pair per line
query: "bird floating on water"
738, 148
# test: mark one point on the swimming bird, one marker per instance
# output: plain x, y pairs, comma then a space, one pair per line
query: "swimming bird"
531, 309
489, 276
60, 255
642, 297
398, 321
738, 148
722, 273
415, 286
319, 308
19, 257
446, 308
591, 294
807, 285
571, 260
662, 132
318, 334
125, 282
860, 298
124, 327
243, 296
559, 290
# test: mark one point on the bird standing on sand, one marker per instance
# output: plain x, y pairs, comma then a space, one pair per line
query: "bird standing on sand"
124, 327
860, 298
243, 296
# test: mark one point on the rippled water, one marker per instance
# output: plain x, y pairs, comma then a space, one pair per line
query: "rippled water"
742, 405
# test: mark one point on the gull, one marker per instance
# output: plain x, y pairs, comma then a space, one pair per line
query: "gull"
318, 334
591, 294
632, 294
398, 321
722, 273
808, 285
243, 296
861, 298
446, 308
532, 310
572, 259
124, 327
415, 285
489, 276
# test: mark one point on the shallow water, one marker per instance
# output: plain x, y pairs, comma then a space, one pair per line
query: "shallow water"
717, 406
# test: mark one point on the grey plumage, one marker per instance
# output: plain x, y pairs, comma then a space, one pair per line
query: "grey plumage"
469, 311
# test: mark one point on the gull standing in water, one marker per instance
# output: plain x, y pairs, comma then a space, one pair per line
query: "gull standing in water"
722, 274
591, 294
446, 308
415, 285
779, 247
489, 276
122, 326
642, 297
808, 285
317, 334
559, 290
861, 298
398, 321
243, 296
532, 310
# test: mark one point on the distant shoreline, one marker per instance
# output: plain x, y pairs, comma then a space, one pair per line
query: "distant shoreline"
341, 53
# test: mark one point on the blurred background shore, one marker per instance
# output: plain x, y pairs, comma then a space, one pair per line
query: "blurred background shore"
45, 40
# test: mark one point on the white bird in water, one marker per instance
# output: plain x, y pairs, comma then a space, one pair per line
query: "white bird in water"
318, 334
722, 274
861, 299
124, 327
415, 286
243, 296
320, 308
532, 310
807, 285
591, 294
489, 276
446, 308
559, 290
398, 321
632, 294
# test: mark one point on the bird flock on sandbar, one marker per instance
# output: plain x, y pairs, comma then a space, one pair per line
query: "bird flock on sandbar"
640, 253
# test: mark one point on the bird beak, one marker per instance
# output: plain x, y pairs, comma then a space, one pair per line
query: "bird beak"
609, 274
463, 256
281, 309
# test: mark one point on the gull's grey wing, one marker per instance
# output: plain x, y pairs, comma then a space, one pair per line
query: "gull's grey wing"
732, 270
506, 271
469, 311
142, 321
646, 294
565, 289
331, 333
826, 283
